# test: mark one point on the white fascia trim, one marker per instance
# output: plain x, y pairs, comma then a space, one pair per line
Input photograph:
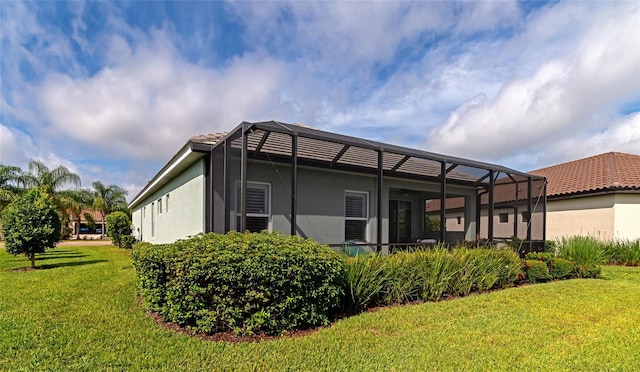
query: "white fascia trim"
162, 175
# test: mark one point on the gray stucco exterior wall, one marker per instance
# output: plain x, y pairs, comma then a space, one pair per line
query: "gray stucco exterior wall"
185, 214
321, 201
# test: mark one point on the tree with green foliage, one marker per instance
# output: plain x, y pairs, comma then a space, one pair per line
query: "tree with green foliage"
107, 199
31, 224
118, 226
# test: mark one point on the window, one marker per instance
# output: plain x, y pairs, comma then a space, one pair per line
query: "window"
504, 217
258, 206
144, 210
166, 204
525, 216
160, 206
356, 215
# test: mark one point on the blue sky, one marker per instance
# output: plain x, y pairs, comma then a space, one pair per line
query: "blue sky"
113, 89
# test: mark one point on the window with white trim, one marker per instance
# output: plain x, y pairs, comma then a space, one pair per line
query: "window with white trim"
166, 204
160, 206
526, 216
258, 206
356, 215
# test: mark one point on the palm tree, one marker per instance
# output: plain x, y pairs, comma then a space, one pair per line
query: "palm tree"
51, 181
107, 199
11, 178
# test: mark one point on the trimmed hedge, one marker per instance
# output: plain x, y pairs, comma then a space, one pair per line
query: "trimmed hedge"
560, 268
248, 283
537, 271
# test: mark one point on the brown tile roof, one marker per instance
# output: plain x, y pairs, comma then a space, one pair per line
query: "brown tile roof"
213, 138
504, 193
605, 172
208, 139
94, 213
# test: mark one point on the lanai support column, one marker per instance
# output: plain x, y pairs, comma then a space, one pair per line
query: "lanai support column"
529, 192
208, 192
227, 186
379, 203
491, 207
294, 182
443, 199
243, 181
544, 213
515, 214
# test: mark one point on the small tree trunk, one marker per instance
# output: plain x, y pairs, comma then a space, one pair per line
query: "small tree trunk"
78, 229
103, 217
32, 257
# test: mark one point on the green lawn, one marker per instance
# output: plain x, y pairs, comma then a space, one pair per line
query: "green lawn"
82, 313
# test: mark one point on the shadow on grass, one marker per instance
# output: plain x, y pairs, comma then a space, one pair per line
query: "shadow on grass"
66, 264
45, 257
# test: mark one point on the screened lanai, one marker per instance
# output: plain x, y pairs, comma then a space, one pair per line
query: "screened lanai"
478, 191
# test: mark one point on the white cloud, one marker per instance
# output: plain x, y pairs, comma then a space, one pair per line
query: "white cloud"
12, 147
575, 92
621, 135
17, 148
149, 101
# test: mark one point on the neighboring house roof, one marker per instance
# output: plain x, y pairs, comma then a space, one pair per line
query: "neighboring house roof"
504, 195
94, 214
609, 172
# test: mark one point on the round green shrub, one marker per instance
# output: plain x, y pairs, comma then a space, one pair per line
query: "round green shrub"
537, 271
589, 271
248, 283
118, 226
563, 269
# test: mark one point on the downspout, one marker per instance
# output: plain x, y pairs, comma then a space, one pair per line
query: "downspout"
491, 209
379, 206
529, 187
294, 182
443, 199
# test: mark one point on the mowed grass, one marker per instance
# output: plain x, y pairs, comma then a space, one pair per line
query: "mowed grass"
81, 312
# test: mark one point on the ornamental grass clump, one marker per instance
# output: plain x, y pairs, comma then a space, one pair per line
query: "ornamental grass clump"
365, 280
623, 252
427, 275
247, 283
583, 250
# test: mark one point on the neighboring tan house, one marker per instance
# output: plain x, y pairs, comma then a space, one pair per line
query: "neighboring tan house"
298, 180
518, 211
85, 229
597, 196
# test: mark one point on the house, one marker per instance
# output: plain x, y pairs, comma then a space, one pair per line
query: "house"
519, 210
332, 188
88, 227
597, 196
